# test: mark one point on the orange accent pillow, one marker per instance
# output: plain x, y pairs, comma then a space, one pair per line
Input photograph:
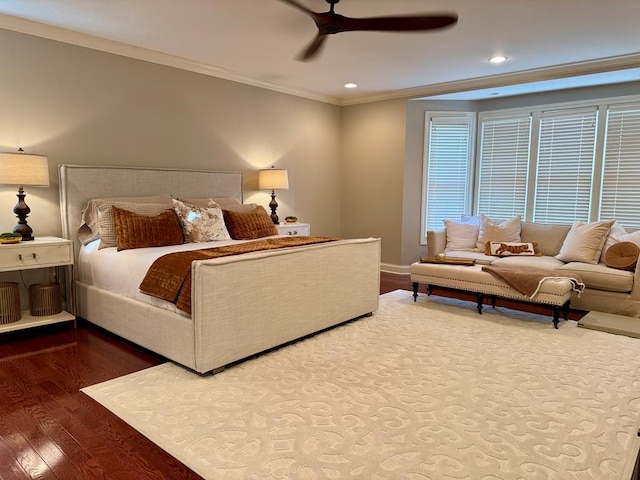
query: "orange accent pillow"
622, 255
141, 231
249, 225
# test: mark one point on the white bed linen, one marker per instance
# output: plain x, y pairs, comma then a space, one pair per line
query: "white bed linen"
122, 272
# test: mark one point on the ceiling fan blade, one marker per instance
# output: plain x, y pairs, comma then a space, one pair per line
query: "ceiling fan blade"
313, 48
394, 24
299, 6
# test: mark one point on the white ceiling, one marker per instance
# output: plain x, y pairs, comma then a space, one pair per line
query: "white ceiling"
256, 42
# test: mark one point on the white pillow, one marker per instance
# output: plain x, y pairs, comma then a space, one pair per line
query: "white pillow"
201, 224
584, 242
461, 235
492, 231
618, 234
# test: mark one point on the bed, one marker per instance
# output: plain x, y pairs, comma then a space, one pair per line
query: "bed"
243, 304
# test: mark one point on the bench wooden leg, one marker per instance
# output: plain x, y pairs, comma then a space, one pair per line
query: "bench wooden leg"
565, 309
556, 315
480, 298
415, 291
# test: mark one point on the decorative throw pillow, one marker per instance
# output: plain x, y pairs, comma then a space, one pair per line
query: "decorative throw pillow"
584, 242
493, 231
249, 225
105, 215
225, 203
507, 249
90, 222
141, 231
619, 234
622, 255
201, 224
461, 234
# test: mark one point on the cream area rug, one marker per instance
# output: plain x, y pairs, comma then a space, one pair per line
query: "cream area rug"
419, 391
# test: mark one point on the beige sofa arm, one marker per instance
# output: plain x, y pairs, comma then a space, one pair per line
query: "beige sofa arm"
436, 242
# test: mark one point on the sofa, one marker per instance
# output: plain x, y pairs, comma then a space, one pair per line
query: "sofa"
583, 249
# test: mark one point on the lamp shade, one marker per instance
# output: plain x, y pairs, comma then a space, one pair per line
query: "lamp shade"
273, 179
24, 169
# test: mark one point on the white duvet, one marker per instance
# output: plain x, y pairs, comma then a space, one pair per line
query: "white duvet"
122, 272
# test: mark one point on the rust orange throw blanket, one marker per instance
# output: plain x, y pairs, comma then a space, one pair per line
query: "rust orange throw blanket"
169, 277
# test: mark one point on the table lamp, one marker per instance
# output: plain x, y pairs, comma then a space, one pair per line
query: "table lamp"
23, 169
273, 179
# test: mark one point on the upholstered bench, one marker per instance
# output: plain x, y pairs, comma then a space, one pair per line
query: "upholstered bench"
555, 293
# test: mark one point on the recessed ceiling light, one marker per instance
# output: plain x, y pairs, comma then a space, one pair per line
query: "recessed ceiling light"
498, 59
350, 85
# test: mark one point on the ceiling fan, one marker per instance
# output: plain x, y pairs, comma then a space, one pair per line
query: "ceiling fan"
330, 23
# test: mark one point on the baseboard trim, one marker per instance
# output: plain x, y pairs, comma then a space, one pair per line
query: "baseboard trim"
397, 269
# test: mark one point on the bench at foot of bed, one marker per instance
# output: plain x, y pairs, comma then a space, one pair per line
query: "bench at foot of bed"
556, 293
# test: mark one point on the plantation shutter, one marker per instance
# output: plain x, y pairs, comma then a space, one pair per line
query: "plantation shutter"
503, 166
621, 179
448, 169
566, 154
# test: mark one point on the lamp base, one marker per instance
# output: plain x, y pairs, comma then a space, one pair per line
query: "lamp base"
273, 205
22, 210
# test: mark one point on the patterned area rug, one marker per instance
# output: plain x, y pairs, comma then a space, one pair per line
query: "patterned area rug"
426, 390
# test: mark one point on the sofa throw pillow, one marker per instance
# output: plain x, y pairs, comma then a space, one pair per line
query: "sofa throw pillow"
249, 225
619, 234
623, 256
461, 235
508, 249
584, 242
498, 231
201, 223
142, 231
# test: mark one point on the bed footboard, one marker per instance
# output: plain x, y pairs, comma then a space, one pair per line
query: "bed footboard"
243, 305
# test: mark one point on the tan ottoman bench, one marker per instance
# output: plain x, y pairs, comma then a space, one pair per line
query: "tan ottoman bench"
555, 293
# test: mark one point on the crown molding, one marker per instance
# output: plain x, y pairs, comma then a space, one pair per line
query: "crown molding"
50, 32
555, 72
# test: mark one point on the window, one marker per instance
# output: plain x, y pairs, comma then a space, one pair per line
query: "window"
621, 178
566, 155
504, 166
447, 168
556, 164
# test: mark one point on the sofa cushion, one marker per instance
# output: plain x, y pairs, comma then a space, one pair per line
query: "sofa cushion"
549, 237
498, 231
584, 242
601, 277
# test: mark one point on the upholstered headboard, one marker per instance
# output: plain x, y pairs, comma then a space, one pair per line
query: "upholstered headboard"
79, 183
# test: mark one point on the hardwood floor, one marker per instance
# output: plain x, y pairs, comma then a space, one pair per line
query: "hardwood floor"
50, 430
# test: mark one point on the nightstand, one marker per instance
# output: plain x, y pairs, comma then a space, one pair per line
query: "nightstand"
295, 229
43, 252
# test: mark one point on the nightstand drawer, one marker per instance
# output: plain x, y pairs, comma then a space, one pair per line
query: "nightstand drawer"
23, 256
294, 229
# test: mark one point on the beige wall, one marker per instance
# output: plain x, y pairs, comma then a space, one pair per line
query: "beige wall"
373, 163
354, 171
82, 106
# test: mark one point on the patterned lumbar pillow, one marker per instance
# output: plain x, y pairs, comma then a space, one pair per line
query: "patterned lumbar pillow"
201, 224
508, 249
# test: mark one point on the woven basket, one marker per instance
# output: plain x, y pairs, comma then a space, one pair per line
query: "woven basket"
45, 299
10, 310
